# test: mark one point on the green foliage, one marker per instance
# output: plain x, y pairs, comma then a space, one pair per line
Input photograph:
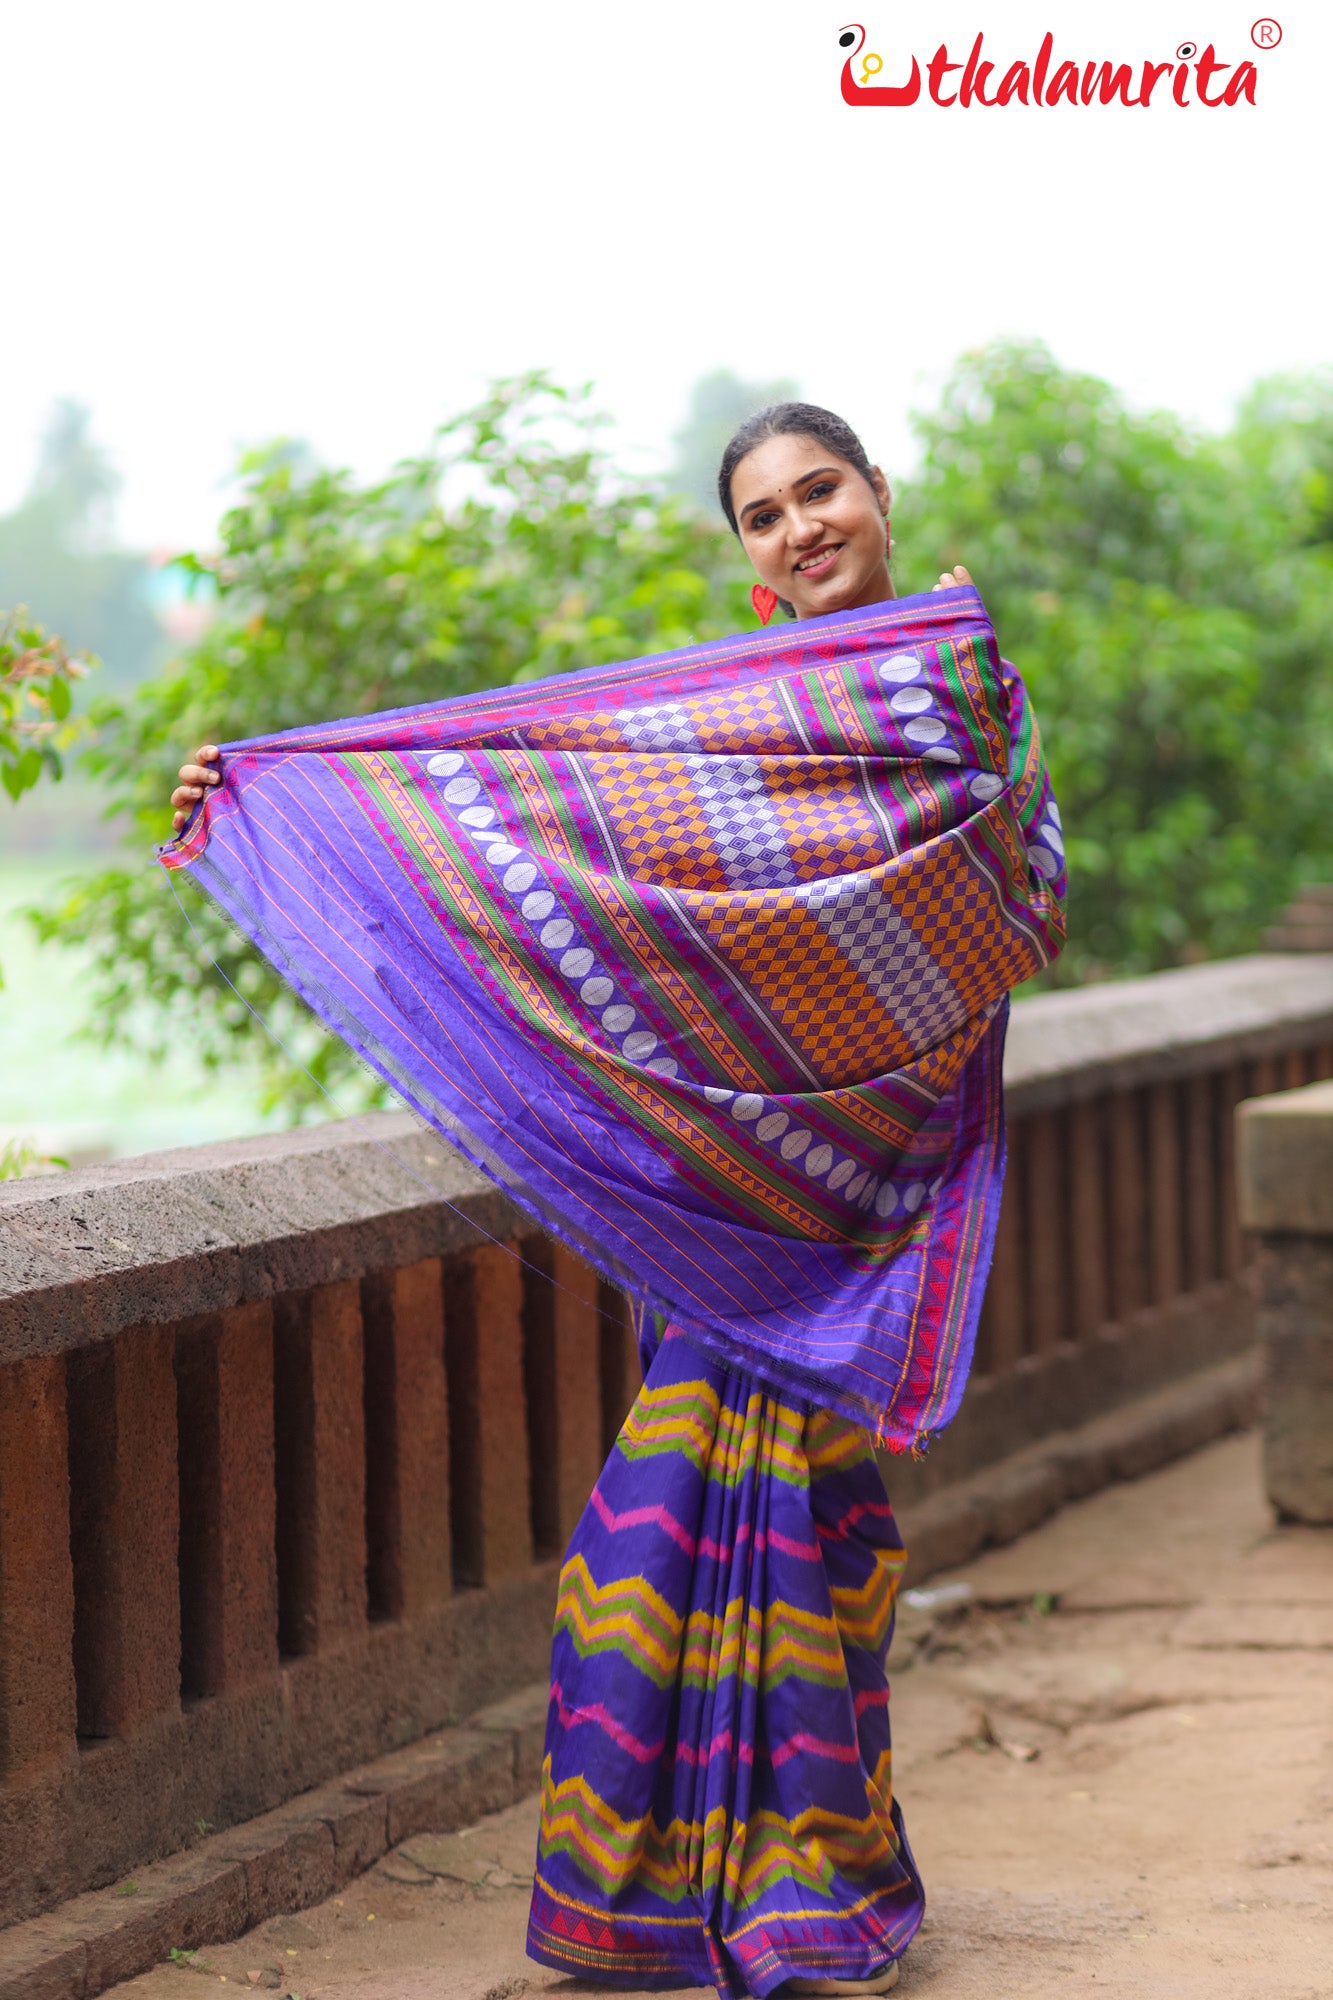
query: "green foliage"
1169, 599
18, 1155
37, 676
56, 553
508, 552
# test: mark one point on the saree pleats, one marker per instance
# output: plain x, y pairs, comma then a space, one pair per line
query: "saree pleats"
717, 1804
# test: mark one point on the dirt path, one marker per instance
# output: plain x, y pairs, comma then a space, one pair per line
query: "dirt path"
1166, 1652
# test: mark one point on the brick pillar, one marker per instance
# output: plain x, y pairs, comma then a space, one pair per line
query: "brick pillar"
37, 1700
1128, 1203
562, 1378
1047, 1192
488, 1433
1090, 1301
1003, 1312
407, 1441
1165, 1174
229, 1584
125, 1530
321, 1466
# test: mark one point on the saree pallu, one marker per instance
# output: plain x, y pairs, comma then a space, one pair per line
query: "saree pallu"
704, 958
717, 1802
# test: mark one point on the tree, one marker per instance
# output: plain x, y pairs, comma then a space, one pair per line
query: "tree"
718, 404
508, 552
1169, 598
57, 553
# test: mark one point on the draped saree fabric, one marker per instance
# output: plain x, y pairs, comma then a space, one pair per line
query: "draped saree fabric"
705, 958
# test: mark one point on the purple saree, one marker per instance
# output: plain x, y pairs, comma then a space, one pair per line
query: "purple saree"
705, 958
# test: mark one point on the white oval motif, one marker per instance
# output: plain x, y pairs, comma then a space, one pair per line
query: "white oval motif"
618, 1020
502, 853
795, 1143
900, 667
716, 1095
857, 1187
747, 1106
773, 1126
868, 1193
914, 1196
886, 1200
1055, 837
911, 701
986, 787
842, 1173
1053, 812
461, 791
556, 934
638, 1047
538, 905
520, 877
477, 815
664, 1065
926, 729
818, 1161
577, 964
445, 764
935, 1186
1044, 862
943, 754
597, 991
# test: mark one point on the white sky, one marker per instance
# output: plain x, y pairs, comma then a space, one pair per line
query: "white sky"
225, 219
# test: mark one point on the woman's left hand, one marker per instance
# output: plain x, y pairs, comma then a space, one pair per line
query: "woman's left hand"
947, 582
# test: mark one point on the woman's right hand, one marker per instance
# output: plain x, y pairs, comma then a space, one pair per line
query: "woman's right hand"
195, 780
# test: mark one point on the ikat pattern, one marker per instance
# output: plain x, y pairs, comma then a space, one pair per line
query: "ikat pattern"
703, 957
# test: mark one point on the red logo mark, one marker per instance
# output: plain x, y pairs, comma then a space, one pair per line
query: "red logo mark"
1265, 34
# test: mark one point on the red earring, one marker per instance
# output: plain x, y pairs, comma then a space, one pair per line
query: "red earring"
765, 602
888, 536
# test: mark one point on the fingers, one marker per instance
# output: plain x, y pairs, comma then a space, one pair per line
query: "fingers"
953, 579
196, 779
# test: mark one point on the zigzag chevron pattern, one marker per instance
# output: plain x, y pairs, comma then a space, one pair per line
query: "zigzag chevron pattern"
717, 1803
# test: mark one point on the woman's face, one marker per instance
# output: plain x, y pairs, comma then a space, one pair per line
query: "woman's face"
812, 525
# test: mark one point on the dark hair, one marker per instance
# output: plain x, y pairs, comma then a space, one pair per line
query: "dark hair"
788, 420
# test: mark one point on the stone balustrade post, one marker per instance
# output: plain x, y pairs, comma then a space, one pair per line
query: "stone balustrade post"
1285, 1175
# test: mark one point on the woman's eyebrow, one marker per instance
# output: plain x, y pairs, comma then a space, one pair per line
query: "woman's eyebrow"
820, 472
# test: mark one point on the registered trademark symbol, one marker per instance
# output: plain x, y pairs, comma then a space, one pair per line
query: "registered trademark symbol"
1265, 34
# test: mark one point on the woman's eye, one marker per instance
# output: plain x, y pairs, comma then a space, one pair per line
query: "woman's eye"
820, 488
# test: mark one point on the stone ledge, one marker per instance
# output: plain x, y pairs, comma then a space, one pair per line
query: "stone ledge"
1065, 1047
306, 1850
1015, 1495
1284, 1162
282, 1861
170, 1236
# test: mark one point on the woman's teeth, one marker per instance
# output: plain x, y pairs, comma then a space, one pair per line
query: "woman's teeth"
820, 557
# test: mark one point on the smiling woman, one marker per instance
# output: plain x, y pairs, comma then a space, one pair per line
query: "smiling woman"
811, 511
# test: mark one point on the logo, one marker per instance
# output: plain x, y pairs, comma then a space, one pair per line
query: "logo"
1193, 76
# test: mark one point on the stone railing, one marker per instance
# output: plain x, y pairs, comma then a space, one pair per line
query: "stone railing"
290, 1440
1286, 1199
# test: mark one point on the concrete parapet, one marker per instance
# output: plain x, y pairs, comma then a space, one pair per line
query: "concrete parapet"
1285, 1167
294, 1429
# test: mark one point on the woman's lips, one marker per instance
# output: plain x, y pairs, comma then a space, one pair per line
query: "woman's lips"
819, 562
